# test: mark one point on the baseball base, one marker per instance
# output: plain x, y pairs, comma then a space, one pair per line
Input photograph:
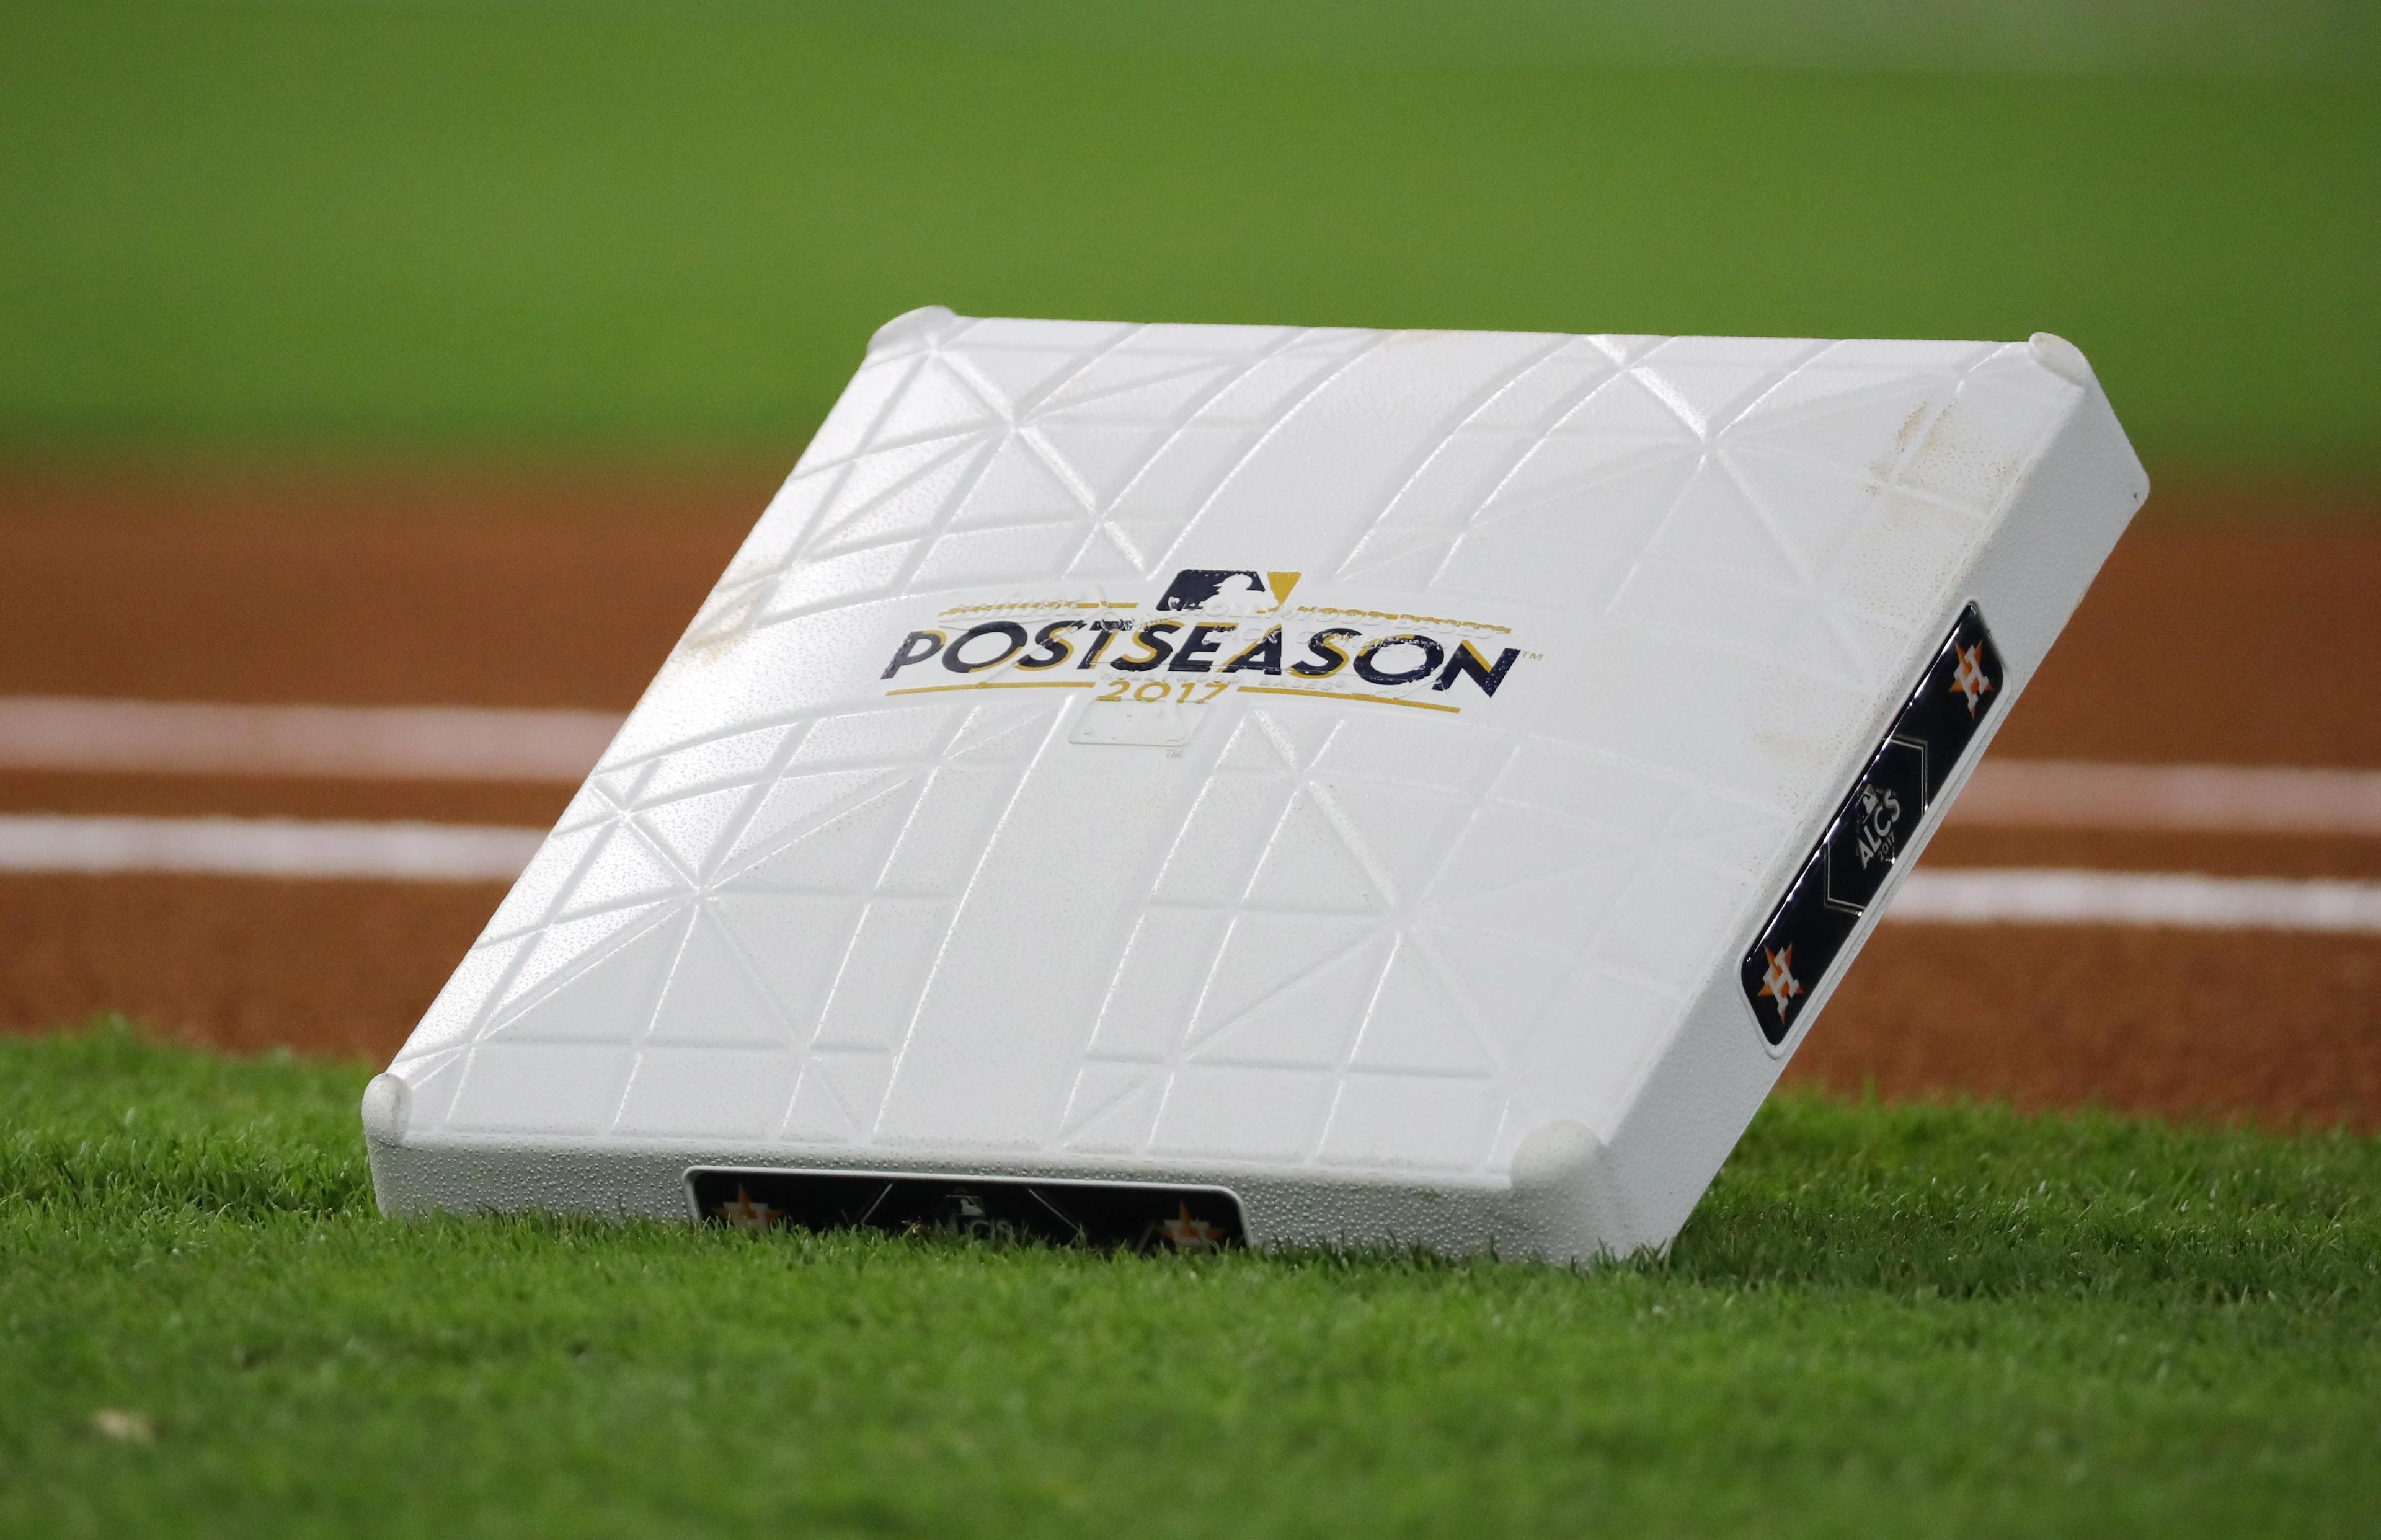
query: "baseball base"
1187, 784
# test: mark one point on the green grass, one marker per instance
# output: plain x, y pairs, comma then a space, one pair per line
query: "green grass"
2220, 37
637, 228
1883, 1320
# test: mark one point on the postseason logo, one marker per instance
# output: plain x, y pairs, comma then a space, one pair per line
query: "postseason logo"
1211, 631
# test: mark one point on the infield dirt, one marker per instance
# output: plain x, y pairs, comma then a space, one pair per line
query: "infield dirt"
2226, 629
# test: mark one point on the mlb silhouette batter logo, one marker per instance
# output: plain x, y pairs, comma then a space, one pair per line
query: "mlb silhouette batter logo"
1226, 591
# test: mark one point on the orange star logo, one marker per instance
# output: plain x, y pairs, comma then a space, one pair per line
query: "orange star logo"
1779, 983
1968, 677
1187, 1233
744, 1214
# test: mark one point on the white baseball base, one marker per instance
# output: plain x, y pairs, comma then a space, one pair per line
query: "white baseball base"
1174, 784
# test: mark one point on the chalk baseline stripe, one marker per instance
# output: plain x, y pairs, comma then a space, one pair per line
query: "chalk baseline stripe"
2018, 896
460, 852
2215, 799
366, 742
489, 743
265, 848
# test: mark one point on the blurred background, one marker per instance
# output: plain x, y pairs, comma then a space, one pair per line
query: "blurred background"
436, 352
608, 227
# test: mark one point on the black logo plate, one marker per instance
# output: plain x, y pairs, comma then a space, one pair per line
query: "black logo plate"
1872, 827
1107, 1215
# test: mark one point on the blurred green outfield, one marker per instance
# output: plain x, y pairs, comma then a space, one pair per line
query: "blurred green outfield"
634, 228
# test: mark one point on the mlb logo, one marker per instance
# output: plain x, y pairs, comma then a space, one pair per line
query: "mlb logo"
1223, 590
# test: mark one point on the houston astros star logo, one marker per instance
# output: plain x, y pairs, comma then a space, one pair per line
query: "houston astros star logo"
1189, 1232
1968, 677
744, 1214
1779, 983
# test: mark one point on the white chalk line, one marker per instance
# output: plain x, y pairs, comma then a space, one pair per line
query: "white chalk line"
496, 744
2024, 895
474, 743
364, 742
2211, 798
265, 848
452, 852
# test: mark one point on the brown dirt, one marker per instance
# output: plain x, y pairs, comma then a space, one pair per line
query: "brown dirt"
2208, 638
330, 967
2282, 1029
415, 592
2230, 642
2233, 644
